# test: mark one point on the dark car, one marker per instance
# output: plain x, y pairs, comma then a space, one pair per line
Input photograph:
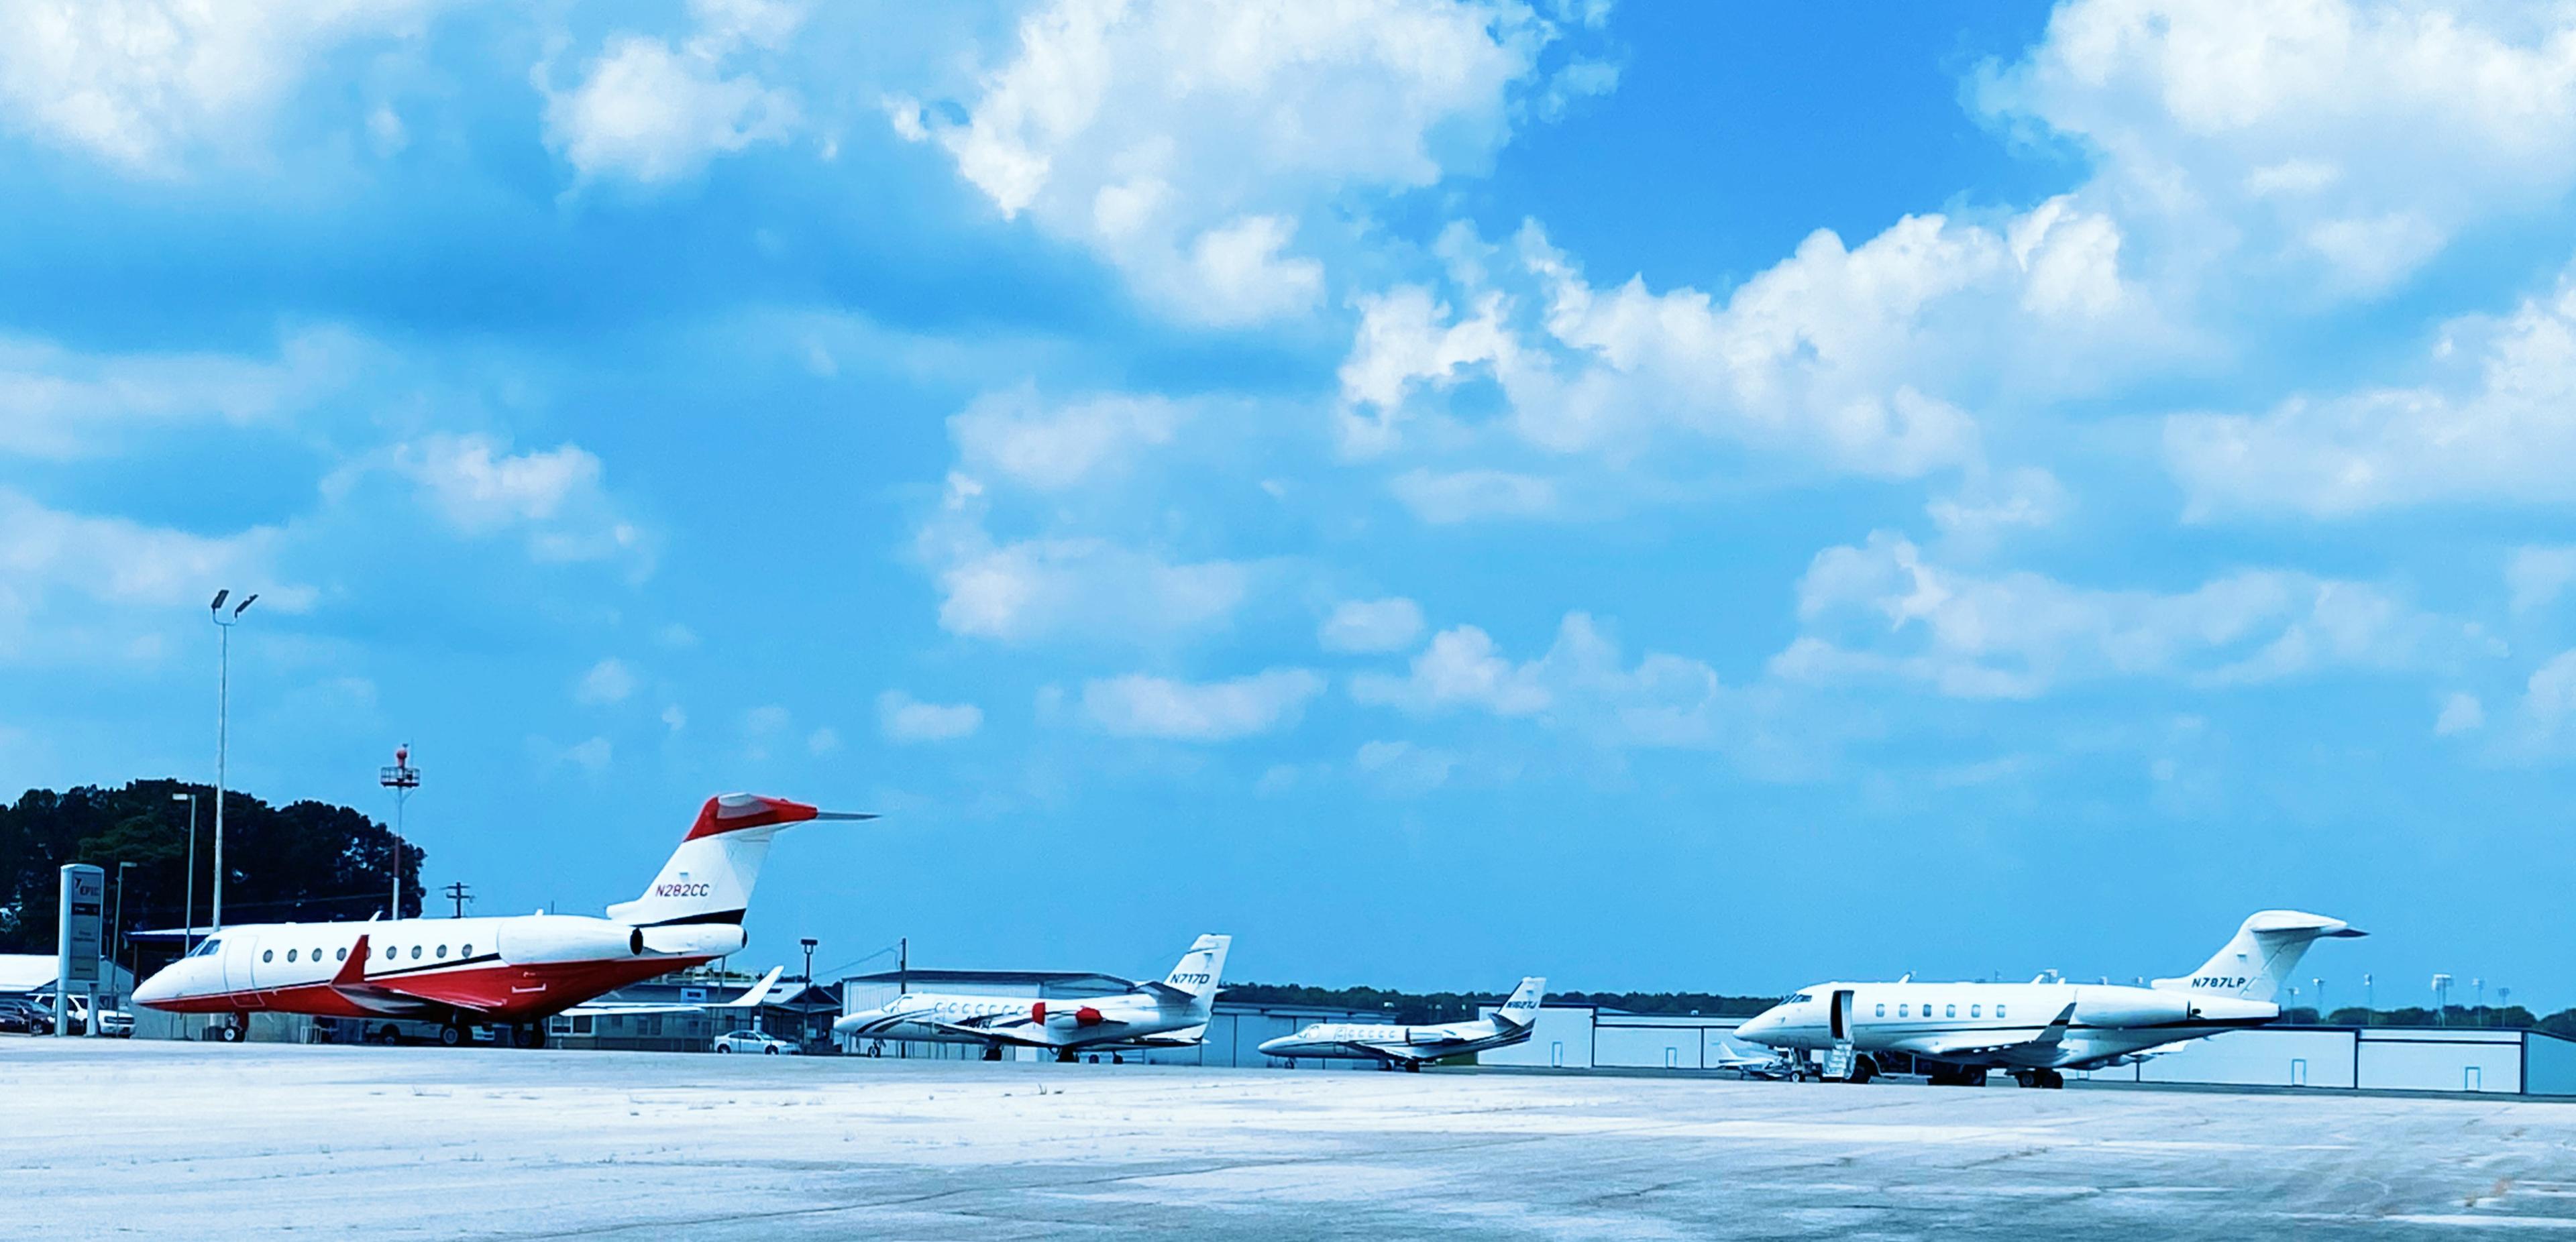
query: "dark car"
24, 1017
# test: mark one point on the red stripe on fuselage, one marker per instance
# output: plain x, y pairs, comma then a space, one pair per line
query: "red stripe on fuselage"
501, 991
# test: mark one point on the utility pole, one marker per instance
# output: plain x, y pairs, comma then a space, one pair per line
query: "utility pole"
116, 947
902, 965
809, 942
458, 893
402, 778
2441, 1000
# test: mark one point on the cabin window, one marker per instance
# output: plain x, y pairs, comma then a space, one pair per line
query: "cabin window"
1976, 1011
268, 955
392, 952
1882, 1011
290, 955
1999, 1011
415, 953
469, 951
341, 956
1949, 1011
1904, 1010
317, 955
442, 952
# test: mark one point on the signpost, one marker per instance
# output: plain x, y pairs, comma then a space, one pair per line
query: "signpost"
78, 940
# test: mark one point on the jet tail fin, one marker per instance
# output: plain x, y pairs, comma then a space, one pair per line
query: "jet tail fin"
710, 877
1195, 978
2257, 961
1521, 1007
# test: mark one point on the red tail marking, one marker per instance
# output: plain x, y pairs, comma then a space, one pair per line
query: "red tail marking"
735, 812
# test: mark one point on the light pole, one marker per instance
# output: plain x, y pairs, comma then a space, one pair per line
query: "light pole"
188, 920
117, 947
223, 712
809, 942
2504, 1001
2480, 983
2369, 1003
402, 778
2441, 1000
2323, 1017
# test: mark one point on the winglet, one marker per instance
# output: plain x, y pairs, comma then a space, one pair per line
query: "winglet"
756, 993
2056, 1032
353, 972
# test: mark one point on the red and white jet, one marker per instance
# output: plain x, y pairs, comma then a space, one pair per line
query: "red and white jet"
515, 971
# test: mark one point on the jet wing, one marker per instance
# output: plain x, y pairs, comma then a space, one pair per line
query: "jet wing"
750, 999
2040, 1050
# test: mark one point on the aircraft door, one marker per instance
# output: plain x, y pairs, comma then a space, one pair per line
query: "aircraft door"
239, 951
1842, 1015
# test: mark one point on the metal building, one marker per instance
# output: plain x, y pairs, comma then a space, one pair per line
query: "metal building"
2479, 1060
1590, 1037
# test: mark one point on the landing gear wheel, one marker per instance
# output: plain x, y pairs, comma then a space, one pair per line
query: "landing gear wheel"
528, 1035
230, 1033
1065, 1056
1863, 1069
389, 1036
450, 1036
2050, 1080
994, 1053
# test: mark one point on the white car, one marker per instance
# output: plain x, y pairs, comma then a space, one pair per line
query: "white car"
753, 1041
112, 1023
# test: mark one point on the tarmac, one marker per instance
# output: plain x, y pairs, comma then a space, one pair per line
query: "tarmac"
173, 1140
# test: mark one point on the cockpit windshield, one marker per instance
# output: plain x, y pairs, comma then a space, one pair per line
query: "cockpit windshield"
1798, 999
206, 947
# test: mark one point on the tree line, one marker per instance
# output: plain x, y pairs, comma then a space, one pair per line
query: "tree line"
306, 860
1421, 1008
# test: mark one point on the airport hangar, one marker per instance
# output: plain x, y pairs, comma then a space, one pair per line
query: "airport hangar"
2455, 1059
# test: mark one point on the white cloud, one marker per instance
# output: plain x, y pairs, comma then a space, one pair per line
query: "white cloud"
609, 681
2536, 576
674, 717
1371, 625
1043, 588
1447, 498
653, 112
1582, 684
1018, 436
2493, 430
57, 403
1184, 141
556, 496
823, 741
2342, 141
1842, 357
1893, 615
2461, 713
903, 718
1138, 705
138, 83
83, 587
1403, 769
1461, 667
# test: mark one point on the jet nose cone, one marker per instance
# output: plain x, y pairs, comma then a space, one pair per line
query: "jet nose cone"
1272, 1046
1759, 1028
156, 989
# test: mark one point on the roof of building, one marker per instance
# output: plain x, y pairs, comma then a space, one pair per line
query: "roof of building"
918, 979
25, 972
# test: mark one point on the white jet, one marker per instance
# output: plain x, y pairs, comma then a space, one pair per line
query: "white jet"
515, 971
2038, 1029
1408, 1047
1170, 1014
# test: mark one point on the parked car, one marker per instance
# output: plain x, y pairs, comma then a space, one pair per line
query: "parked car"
753, 1041
22, 1017
113, 1023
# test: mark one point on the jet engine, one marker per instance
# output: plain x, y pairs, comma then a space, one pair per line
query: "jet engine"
1064, 1019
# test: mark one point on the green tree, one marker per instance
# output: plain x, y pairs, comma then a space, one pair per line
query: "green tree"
302, 861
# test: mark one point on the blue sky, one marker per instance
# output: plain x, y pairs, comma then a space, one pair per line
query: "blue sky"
1671, 497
